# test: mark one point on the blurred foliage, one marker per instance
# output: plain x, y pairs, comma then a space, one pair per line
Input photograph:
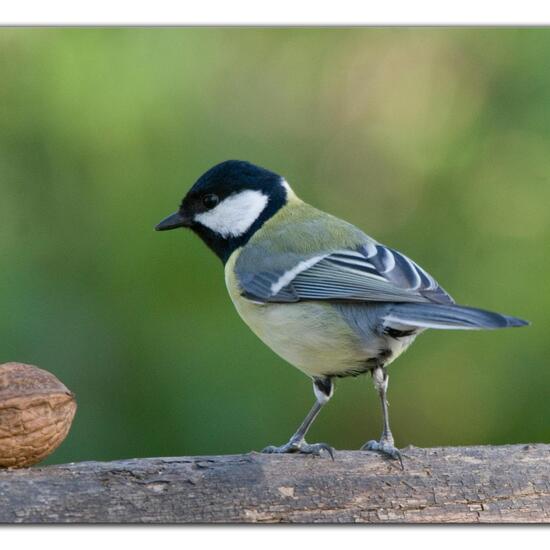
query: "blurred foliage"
434, 141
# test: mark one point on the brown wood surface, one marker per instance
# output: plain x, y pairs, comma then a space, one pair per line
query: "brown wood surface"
452, 484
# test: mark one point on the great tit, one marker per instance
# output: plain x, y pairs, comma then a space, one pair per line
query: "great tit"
322, 294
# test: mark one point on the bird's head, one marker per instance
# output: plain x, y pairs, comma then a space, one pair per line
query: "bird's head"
228, 204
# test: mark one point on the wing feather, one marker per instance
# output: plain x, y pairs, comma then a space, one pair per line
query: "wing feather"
371, 273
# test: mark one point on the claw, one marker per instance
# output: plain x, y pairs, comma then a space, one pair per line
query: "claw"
384, 447
300, 447
317, 448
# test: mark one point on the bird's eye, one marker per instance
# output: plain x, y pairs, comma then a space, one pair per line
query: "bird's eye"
210, 200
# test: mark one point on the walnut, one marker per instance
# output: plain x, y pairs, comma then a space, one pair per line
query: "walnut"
36, 412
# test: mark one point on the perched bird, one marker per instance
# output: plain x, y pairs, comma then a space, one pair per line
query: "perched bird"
322, 294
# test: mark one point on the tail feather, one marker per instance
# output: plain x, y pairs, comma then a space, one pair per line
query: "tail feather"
455, 317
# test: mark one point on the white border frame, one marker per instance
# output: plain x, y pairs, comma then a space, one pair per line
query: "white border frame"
281, 12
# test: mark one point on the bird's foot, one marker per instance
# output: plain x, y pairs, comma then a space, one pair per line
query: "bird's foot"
302, 447
385, 447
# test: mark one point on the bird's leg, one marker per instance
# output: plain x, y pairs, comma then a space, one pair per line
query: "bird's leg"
386, 443
323, 388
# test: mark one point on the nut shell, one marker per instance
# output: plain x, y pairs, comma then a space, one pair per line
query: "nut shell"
36, 412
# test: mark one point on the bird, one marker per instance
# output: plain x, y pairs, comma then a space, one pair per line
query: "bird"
323, 295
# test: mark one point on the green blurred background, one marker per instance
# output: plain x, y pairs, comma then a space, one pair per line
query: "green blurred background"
434, 141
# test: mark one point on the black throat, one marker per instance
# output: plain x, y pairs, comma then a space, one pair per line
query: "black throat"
223, 247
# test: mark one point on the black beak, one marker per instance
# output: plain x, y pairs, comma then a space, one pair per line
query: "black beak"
174, 221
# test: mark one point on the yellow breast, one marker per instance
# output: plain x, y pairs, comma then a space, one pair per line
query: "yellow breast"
311, 336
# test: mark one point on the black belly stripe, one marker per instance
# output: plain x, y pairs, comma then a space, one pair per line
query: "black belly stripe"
394, 333
368, 365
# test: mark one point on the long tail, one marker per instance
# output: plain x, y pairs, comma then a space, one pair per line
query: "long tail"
449, 317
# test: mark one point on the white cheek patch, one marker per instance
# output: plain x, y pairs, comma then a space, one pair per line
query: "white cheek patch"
234, 215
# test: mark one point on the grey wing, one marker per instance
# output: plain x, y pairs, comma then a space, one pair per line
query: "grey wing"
370, 273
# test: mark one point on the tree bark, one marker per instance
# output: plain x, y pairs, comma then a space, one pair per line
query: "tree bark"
439, 485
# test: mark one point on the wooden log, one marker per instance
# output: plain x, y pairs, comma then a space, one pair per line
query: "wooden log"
438, 485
